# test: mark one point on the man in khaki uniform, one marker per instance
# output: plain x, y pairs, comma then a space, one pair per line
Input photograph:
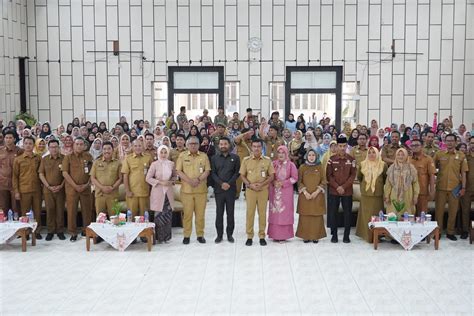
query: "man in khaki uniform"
106, 177
467, 199
193, 168
26, 182
256, 172
8, 153
430, 148
134, 169
150, 148
51, 175
180, 147
359, 152
426, 171
76, 168
272, 141
243, 143
452, 169
388, 152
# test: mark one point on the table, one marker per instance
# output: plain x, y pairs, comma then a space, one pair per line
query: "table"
405, 233
9, 230
120, 237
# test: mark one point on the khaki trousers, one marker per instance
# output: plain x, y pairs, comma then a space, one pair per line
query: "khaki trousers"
257, 200
443, 197
193, 204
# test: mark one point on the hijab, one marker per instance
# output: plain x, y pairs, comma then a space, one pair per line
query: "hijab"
36, 149
312, 142
372, 138
66, 150
44, 134
95, 153
295, 144
122, 151
164, 164
401, 174
372, 169
324, 147
315, 162
282, 168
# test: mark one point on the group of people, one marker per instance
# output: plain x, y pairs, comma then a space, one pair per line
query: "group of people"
270, 160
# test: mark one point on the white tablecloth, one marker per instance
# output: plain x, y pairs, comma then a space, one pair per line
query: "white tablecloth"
119, 237
407, 234
8, 230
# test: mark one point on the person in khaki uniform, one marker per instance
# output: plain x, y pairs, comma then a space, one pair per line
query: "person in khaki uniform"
193, 168
150, 148
256, 172
26, 182
468, 197
243, 143
8, 153
426, 171
106, 177
430, 148
359, 152
388, 152
134, 169
272, 140
180, 147
51, 176
452, 169
76, 168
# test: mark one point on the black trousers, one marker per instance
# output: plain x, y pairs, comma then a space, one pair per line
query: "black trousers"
225, 202
333, 208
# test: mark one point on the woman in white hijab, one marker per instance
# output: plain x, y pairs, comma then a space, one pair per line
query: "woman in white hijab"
96, 148
161, 177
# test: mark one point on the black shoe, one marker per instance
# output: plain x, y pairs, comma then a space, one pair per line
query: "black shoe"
201, 240
98, 240
83, 234
248, 242
451, 237
38, 236
230, 239
186, 240
263, 242
73, 238
393, 242
61, 236
315, 241
306, 241
464, 235
218, 239
346, 240
143, 239
334, 239
49, 237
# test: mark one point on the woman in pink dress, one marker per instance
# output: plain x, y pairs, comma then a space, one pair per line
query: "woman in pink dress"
281, 210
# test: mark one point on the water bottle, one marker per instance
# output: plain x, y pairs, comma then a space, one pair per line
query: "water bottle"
10, 215
129, 216
147, 217
381, 216
31, 216
423, 217
405, 217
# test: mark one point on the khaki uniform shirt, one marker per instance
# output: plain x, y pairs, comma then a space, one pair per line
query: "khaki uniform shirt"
6, 166
25, 173
425, 168
271, 145
359, 154
389, 152
106, 172
450, 166
193, 166
152, 152
430, 150
470, 174
257, 169
136, 167
78, 167
51, 168
174, 154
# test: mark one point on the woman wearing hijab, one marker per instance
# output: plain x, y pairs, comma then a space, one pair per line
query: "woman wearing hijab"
96, 148
115, 141
124, 147
165, 141
374, 142
353, 138
310, 141
281, 206
290, 123
161, 177
311, 205
287, 136
406, 135
324, 147
402, 184
40, 147
68, 142
371, 175
296, 149
45, 130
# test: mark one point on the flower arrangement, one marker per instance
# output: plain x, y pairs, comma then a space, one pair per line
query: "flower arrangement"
117, 210
399, 207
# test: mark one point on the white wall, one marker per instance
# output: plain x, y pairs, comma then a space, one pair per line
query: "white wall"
406, 90
12, 44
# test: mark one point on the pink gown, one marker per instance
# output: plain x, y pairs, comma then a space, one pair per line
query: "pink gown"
281, 210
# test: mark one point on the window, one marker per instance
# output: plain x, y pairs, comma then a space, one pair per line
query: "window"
231, 96
277, 97
350, 102
160, 101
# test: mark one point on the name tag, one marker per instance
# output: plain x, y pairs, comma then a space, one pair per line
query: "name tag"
201, 169
271, 155
145, 171
263, 174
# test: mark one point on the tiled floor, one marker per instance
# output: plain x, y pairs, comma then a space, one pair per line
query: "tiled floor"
293, 278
